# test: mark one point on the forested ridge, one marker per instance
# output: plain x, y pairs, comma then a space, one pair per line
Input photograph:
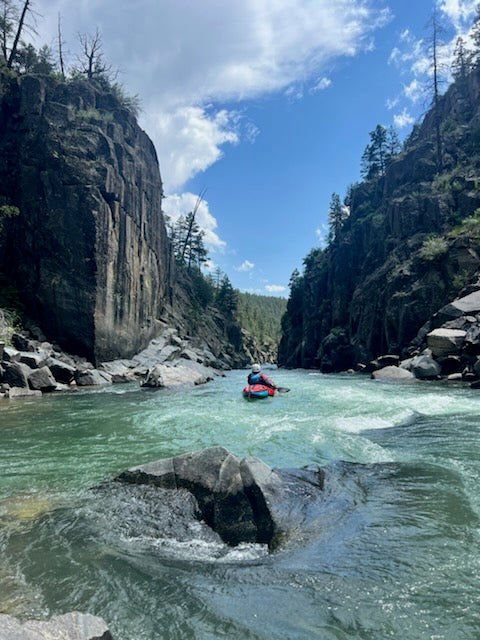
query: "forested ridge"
402, 243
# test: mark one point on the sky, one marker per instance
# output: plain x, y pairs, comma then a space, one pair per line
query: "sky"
263, 106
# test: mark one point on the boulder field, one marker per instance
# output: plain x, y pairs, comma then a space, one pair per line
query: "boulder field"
447, 346
30, 367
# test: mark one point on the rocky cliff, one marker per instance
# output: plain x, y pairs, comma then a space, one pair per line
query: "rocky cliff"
410, 245
89, 252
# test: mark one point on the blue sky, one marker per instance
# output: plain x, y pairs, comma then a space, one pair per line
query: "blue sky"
265, 104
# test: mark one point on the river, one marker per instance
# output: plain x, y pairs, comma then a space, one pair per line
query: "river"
397, 555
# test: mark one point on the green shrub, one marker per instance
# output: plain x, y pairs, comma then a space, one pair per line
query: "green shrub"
433, 248
469, 226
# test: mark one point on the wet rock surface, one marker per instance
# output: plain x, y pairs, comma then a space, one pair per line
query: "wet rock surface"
242, 500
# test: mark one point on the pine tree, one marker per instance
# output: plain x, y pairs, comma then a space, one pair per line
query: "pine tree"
337, 215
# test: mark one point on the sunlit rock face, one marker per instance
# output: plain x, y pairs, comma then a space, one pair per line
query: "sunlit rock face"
89, 251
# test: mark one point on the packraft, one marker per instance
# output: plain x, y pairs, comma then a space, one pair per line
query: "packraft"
258, 391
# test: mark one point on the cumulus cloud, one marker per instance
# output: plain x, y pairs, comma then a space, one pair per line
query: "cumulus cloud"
182, 56
403, 119
275, 288
321, 84
179, 205
245, 266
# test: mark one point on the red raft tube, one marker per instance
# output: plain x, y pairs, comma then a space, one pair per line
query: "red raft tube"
252, 391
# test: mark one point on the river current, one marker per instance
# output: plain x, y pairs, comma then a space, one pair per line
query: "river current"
397, 554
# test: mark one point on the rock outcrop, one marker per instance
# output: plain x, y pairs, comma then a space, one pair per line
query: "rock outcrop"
89, 249
410, 244
243, 500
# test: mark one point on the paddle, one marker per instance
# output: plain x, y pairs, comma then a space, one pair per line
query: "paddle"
283, 389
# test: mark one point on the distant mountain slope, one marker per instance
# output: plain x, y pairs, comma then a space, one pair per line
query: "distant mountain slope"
260, 318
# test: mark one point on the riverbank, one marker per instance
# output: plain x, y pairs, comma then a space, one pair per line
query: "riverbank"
32, 366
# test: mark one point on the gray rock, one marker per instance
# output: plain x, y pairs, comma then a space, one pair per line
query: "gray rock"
242, 500
92, 377
22, 392
16, 374
32, 359
11, 355
393, 374
22, 343
61, 371
444, 342
42, 380
70, 626
424, 367
2, 347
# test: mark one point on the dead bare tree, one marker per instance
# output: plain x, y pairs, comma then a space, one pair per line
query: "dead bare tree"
20, 26
12, 25
92, 63
60, 47
434, 49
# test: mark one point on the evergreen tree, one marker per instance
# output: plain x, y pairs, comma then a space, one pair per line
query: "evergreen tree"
475, 34
227, 297
337, 215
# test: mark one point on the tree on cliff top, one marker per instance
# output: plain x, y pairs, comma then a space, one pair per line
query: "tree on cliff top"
13, 22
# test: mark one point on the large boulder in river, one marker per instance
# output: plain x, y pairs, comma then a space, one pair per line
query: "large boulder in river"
70, 626
425, 367
393, 374
243, 500
445, 342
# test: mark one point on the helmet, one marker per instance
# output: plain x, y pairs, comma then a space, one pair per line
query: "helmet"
255, 368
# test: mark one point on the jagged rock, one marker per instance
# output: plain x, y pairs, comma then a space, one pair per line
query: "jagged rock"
387, 360
469, 304
425, 367
444, 342
42, 380
242, 500
32, 359
393, 373
166, 376
11, 355
472, 339
69, 626
61, 371
450, 365
16, 374
92, 377
21, 343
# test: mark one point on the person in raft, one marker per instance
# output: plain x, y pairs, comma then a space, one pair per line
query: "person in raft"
257, 377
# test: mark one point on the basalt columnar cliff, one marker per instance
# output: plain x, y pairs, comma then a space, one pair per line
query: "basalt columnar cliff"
410, 245
89, 252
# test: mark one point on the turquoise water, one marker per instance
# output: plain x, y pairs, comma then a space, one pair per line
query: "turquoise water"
397, 555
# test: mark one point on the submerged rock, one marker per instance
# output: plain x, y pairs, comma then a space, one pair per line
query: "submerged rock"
243, 500
70, 626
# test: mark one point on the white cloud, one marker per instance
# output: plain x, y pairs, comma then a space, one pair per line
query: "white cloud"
321, 84
459, 12
414, 90
275, 288
181, 56
176, 205
403, 119
191, 140
245, 266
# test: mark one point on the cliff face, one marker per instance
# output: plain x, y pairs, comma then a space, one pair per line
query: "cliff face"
89, 252
402, 253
